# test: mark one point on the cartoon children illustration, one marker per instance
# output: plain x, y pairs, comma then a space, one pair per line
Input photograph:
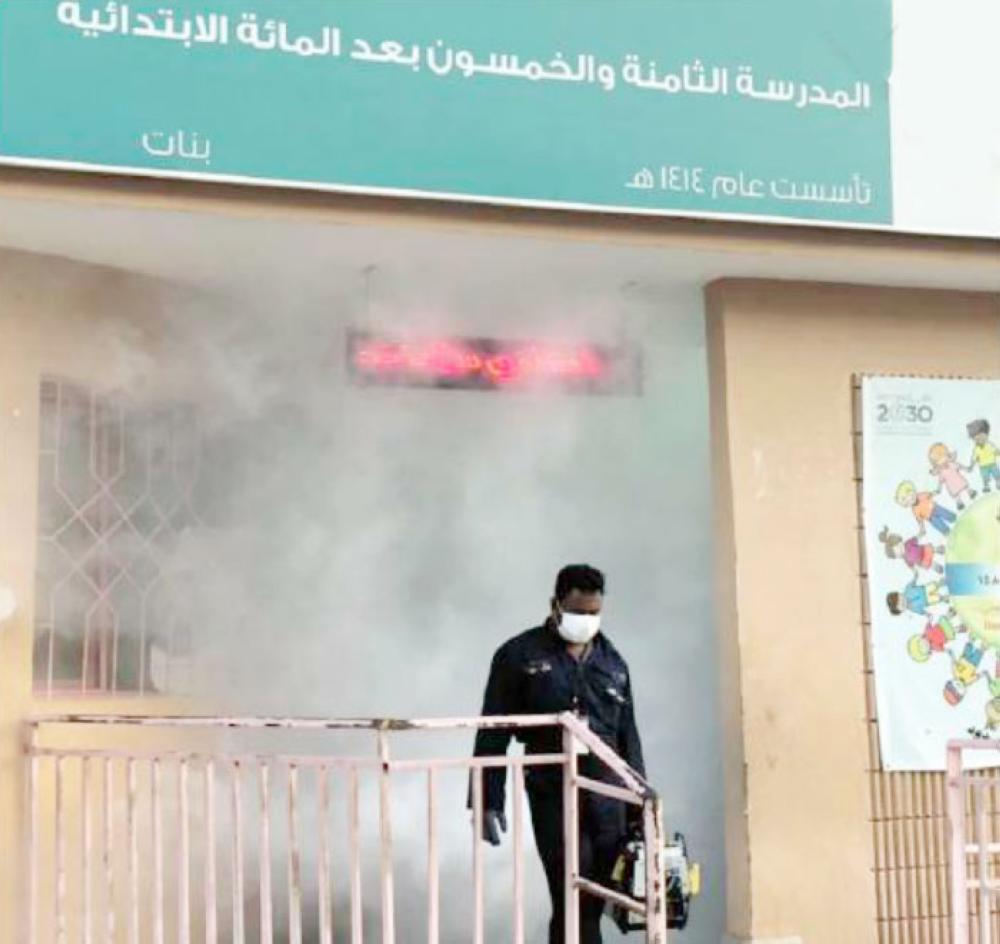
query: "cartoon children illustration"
965, 671
992, 711
947, 470
917, 598
914, 554
925, 509
936, 635
992, 708
984, 453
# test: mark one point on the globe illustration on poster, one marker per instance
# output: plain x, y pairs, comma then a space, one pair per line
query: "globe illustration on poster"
952, 551
972, 575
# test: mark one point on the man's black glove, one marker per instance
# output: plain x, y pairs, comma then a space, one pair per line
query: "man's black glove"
494, 823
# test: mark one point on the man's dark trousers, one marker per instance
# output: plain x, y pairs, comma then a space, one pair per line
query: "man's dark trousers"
602, 829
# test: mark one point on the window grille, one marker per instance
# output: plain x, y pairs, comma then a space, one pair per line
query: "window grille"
117, 486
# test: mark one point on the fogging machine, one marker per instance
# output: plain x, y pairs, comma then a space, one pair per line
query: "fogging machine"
682, 880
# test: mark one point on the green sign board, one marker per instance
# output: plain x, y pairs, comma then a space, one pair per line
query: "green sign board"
750, 108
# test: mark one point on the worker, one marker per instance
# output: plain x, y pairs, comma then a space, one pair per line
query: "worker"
566, 664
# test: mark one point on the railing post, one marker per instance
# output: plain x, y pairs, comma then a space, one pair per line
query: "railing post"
325, 901
31, 839
59, 911
354, 847
385, 829
238, 904
86, 852
478, 914
571, 839
183, 855
294, 859
982, 859
955, 787
156, 809
433, 861
517, 811
656, 896
211, 869
107, 853
132, 841
264, 855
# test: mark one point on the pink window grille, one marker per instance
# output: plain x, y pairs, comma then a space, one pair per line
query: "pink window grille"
116, 488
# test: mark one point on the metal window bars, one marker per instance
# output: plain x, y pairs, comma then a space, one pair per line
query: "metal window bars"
117, 481
161, 864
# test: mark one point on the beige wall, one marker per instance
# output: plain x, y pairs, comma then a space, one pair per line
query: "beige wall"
782, 356
964, 258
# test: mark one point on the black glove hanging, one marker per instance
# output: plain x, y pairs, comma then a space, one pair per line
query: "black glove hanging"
494, 823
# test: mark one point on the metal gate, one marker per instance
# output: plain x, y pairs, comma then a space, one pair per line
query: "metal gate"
154, 829
974, 841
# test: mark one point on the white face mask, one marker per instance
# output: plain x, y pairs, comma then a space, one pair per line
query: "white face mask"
579, 628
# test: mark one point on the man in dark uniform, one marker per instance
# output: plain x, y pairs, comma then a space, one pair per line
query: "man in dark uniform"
566, 664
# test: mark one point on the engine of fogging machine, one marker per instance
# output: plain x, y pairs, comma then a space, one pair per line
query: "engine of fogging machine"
682, 882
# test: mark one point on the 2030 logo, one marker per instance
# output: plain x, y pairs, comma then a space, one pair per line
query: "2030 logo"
904, 411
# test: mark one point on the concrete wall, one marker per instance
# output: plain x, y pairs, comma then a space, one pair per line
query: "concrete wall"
782, 356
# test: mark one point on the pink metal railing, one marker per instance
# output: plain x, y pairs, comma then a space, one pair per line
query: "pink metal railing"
973, 840
129, 890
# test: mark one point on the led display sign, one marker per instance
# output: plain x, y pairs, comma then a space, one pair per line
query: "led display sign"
490, 364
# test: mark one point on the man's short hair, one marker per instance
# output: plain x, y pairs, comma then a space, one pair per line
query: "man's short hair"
978, 427
580, 577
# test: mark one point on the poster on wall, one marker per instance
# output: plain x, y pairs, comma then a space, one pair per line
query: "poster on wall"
931, 506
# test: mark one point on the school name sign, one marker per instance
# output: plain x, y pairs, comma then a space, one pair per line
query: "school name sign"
650, 107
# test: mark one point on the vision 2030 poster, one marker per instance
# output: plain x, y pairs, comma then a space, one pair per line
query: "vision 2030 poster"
931, 494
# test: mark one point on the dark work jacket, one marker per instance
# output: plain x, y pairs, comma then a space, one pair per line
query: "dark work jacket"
534, 674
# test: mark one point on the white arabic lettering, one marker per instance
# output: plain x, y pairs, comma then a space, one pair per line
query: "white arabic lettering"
642, 180
677, 178
857, 192
180, 144
696, 77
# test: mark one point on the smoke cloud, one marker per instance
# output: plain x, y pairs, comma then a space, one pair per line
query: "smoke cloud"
362, 552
